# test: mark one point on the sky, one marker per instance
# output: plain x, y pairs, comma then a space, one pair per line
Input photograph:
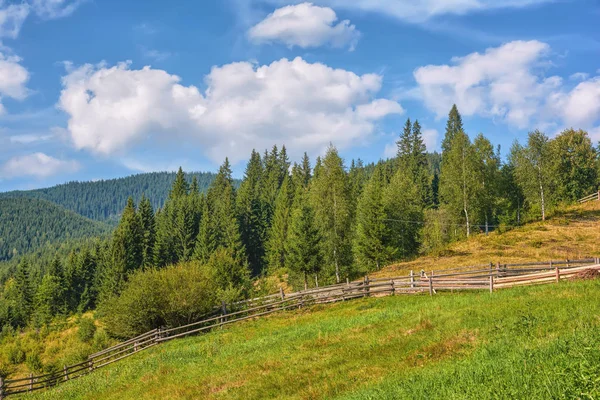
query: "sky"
108, 88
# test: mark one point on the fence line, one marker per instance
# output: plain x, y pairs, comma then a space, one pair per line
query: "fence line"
591, 197
479, 277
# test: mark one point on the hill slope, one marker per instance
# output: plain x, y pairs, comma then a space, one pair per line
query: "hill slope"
572, 233
105, 199
512, 344
29, 224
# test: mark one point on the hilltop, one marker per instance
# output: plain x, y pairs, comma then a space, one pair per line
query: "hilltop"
105, 199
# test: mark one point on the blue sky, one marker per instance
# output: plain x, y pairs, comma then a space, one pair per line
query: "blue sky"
102, 89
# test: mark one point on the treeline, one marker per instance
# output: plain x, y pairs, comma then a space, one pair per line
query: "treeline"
312, 224
29, 224
105, 199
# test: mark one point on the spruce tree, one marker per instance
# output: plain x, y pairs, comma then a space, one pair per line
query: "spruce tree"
405, 144
419, 165
453, 126
23, 296
372, 232
305, 255
49, 299
249, 210
205, 243
148, 231
278, 234
180, 186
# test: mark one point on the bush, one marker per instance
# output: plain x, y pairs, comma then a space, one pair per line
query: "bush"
169, 297
15, 354
34, 363
87, 329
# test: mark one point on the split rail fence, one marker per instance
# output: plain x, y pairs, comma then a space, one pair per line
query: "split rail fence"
591, 197
479, 277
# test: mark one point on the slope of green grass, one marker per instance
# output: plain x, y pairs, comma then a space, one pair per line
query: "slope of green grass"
528, 343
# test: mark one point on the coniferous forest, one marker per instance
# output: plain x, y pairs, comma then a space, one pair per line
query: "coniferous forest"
316, 221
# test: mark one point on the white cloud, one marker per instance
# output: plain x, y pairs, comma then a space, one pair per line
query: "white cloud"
305, 25
156, 55
52, 9
305, 106
499, 83
508, 83
12, 17
38, 165
430, 137
13, 78
422, 10
390, 150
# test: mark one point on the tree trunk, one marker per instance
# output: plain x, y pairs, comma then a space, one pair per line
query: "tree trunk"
465, 193
305, 281
543, 200
317, 280
487, 228
337, 268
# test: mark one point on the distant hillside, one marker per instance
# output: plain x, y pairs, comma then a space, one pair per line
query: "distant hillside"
29, 224
105, 199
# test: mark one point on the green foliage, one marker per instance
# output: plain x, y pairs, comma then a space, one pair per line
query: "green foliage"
278, 234
29, 224
105, 199
304, 244
86, 329
171, 296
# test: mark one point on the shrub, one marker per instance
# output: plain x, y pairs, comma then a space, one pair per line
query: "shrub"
87, 329
171, 297
15, 354
34, 363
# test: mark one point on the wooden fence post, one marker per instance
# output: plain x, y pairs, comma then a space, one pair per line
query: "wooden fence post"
412, 279
91, 365
558, 273
135, 347
498, 269
30, 382
567, 263
393, 288
281, 294
491, 283
66, 373
367, 289
431, 284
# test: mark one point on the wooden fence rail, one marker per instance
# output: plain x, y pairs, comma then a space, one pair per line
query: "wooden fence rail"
591, 197
479, 277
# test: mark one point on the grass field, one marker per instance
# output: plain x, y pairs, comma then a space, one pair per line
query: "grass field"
529, 343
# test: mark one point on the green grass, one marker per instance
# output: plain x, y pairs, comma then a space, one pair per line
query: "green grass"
537, 342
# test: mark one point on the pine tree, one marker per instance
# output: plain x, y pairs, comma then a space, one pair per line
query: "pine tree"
205, 243
180, 186
49, 299
330, 195
305, 256
148, 224
419, 165
453, 127
278, 234
23, 300
249, 210
404, 215
126, 250
372, 232
405, 144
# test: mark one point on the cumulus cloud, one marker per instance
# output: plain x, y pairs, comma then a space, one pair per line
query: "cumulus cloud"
305, 25
508, 83
13, 79
422, 10
38, 165
304, 105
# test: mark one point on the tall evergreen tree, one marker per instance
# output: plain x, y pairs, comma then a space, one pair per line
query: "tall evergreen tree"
419, 164
205, 242
453, 127
23, 295
372, 232
405, 145
487, 170
278, 234
305, 256
148, 226
180, 186
249, 209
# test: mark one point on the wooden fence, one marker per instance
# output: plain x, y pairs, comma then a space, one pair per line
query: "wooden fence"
591, 197
478, 277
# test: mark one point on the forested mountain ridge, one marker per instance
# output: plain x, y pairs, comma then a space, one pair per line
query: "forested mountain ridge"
105, 199
29, 224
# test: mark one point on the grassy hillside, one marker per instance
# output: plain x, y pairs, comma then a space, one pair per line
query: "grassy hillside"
29, 224
529, 343
571, 233
105, 199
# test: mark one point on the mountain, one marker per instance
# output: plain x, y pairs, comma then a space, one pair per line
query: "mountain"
105, 199
26, 225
